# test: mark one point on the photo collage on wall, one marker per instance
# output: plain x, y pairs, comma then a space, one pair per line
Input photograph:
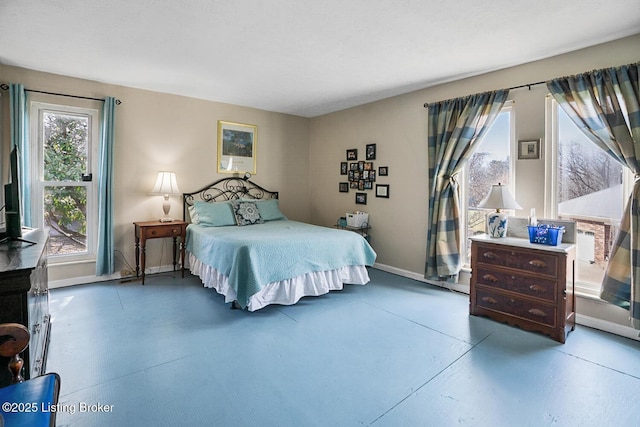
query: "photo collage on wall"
362, 174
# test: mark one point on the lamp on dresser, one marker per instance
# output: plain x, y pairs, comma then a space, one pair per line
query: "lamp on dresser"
499, 197
166, 185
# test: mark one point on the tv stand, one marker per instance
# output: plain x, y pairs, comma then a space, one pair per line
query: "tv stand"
24, 298
5, 238
16, 239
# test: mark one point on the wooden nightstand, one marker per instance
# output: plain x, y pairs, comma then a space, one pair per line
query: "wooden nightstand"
154, 230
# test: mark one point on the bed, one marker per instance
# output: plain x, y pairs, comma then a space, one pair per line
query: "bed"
240, 244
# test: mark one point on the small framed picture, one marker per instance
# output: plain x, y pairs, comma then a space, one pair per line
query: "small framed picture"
343, 168
382, 190
352, 154
344, 187
361, 198
370, 152
383, 170
529, 149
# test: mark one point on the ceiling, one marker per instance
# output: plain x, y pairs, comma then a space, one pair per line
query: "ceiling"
300, 57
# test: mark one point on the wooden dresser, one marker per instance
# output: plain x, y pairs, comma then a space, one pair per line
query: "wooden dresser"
524, 284
24, 298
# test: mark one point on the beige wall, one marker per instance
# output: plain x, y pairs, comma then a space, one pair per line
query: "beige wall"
156, 131
300, 157
398, 127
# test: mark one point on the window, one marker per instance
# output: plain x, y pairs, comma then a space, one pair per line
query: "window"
64, 145
491, 163
589, 187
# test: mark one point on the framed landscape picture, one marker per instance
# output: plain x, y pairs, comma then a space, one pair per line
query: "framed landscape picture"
237, 147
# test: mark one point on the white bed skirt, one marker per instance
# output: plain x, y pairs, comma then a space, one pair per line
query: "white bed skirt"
288, 291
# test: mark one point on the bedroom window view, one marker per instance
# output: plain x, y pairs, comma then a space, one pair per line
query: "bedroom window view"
490, 164
63, 194
589, 191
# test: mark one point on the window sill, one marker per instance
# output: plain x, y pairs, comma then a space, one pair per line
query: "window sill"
68, 260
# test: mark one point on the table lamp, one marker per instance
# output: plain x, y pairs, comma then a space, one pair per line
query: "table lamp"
498, 198
166, 185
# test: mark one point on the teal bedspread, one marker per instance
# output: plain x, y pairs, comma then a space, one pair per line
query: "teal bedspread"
255, 255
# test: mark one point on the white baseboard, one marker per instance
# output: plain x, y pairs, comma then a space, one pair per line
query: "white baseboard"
53, 284
420, 278
588, 321
606, 326
581, 319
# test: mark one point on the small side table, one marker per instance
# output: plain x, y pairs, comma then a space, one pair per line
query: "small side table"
362, 230
154, 230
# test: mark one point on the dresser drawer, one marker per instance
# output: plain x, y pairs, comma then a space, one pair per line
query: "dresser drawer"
518, 282
534, 262
517, 307
152, 232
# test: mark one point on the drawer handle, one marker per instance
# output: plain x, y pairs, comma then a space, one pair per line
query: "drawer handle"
489, 300
490, 278
154, 232
537, 263
537, 312
489, 255
538, 288
174, 231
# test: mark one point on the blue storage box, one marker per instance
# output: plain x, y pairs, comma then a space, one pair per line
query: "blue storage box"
546, 234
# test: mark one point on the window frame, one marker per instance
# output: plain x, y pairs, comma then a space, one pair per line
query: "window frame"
552, 136
37, 109
509, 106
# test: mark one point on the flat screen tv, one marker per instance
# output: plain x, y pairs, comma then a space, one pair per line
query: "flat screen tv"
13, 219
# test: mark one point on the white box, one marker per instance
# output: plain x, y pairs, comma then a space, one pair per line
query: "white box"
357, 219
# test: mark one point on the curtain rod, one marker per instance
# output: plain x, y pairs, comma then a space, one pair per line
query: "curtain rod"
5, 86
426, 104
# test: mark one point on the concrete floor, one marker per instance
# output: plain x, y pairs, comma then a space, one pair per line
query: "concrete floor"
395, 352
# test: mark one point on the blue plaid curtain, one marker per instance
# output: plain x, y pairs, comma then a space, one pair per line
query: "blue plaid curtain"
605, 105
455, 127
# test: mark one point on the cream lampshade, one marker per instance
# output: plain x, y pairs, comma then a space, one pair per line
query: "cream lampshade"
166, 185
498, 198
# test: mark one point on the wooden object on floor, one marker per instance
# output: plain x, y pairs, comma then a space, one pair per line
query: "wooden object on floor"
156, 229
25, 403
24, 298
14, 339
524, 284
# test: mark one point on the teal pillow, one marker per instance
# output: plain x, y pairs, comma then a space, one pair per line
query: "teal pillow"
269, 209
217, 214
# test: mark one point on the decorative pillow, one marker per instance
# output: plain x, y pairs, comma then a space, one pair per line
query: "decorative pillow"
217, 214
246, 213
270, 210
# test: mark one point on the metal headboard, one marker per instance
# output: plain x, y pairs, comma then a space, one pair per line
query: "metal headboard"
225, 189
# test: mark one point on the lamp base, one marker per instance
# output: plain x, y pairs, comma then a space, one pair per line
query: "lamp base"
497, 224
166, 207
